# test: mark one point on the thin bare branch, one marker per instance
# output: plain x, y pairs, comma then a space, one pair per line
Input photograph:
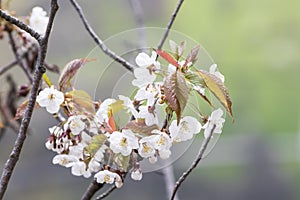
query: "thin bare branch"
162, 41
194, 164
107, 192
98, 41
137, 11
20, 24
91, 190
8, 66
18, 57
38, 72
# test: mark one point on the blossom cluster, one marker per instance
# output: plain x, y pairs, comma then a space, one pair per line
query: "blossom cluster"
91, 142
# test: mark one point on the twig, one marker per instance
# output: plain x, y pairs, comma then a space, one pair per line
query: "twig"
162, 41
20, 24
8, 66
91, 190
194, 164
107, 192
98, 41
138, 16
38, 72
18, 57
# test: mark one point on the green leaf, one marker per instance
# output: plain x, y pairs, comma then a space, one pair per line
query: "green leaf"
116, 106
195, 80
123, 161
82, 101
176, 92
217, 87
95, 145
139, 126
70, 71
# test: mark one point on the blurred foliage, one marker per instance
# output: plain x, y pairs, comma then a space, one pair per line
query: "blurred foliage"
256, 46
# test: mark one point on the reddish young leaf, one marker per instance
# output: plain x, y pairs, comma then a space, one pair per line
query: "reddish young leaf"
193, 55
177, 92
70, 71
112, 123
166, 56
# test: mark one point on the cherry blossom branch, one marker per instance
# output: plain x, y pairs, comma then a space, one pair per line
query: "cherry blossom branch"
175, 12
91, 190
106, 193
168, 171
20, 24
18, 57
38, 72
98, 41
194, 164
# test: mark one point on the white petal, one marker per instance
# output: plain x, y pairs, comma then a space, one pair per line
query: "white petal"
143, 60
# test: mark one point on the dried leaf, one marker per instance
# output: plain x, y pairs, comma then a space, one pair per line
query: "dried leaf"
139, 126
82, 101
217, 87
193, 55
70, 71
21, 110
166, 56
177, 92
95, 145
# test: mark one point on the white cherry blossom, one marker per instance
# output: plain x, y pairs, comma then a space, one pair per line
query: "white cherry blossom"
136, 175
102, 114
144, 61
64, 160
129, 105
215, 119
80, 169
38, 20
75, 124
51, 99
150, 116
106, 176
143, 77
147, 148
187, 127
149, 93
144, 74
123, 142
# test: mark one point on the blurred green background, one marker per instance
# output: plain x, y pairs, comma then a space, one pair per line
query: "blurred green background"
256, 45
